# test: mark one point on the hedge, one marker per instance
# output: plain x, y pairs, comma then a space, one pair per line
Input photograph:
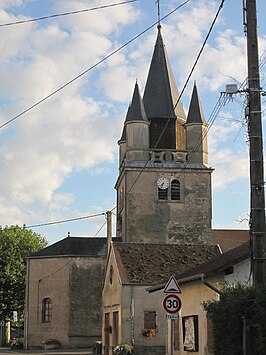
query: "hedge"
236, 304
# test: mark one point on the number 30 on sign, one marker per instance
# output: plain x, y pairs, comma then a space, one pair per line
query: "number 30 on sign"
172, 304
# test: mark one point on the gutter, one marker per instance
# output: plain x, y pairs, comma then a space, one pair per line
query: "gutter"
185, 280
179, 281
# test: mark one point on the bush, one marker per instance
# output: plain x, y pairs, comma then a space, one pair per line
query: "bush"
237, 303
123, 349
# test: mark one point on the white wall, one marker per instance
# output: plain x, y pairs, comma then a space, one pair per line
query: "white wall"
241, 274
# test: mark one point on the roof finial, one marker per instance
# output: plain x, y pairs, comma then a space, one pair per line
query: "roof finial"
159, 14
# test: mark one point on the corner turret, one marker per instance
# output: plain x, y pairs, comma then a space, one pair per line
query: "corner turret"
196, 131
134, 142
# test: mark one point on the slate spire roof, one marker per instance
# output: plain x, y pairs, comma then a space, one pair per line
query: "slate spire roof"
195, 112
161, 94
135, 112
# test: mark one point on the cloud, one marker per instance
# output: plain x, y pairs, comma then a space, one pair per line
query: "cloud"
228, 152
77, 129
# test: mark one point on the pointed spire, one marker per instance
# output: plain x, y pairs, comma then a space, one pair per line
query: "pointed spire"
195, 112
123, 136
136, 111
161, 94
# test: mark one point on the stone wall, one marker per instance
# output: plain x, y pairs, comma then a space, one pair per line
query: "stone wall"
149, 220
85, 311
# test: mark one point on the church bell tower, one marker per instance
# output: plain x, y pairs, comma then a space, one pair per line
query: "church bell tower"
164, 182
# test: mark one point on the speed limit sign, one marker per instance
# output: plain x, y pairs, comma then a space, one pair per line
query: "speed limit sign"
172, 303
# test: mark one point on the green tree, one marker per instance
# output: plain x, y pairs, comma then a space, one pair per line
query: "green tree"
236, 303
16, 244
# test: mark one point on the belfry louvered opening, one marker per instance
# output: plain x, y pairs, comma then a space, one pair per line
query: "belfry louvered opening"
175, 190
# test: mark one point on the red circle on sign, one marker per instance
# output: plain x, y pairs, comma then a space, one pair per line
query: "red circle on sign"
172, 303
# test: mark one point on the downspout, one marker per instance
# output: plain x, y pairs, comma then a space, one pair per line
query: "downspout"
206, 283
132, 315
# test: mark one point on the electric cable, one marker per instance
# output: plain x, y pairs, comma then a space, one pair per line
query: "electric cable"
66, 13
65, 221
90, 68
100, 229
185, 85
85, 217
178, 100
193, 67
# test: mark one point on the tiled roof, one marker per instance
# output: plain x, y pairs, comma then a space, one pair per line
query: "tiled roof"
150, 264
229, 238
220, 263
76, 246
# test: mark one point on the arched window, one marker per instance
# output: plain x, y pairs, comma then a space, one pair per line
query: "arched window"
175, 190
47, 310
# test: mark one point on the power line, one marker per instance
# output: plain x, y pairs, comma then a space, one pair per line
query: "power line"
66, 13
193, 68
101, 214
90, 68
179, 98
64, 221
95, 235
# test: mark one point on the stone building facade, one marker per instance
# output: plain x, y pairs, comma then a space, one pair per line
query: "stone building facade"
163, 201
164, 182
63, 296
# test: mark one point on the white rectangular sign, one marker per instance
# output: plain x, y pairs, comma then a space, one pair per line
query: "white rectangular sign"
171, 316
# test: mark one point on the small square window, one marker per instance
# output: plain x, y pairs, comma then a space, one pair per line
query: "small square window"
150, 319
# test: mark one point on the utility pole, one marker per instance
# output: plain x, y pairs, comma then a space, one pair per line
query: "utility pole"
257, 199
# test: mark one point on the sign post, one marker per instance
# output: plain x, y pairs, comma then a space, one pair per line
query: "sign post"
172, 305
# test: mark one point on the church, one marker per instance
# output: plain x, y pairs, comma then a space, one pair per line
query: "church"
164, 182
164, 212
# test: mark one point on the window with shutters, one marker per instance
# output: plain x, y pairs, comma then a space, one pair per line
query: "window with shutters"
46, 310
150, 319
175, 190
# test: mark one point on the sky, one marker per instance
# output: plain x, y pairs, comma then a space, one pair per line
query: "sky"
59, 160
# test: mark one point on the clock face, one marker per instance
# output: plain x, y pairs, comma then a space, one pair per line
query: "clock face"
162, 183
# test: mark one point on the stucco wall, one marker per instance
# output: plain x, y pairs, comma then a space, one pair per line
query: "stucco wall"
111, 300
132, 301
48, 277
74, 284
192, 296
241, 273
142, 301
